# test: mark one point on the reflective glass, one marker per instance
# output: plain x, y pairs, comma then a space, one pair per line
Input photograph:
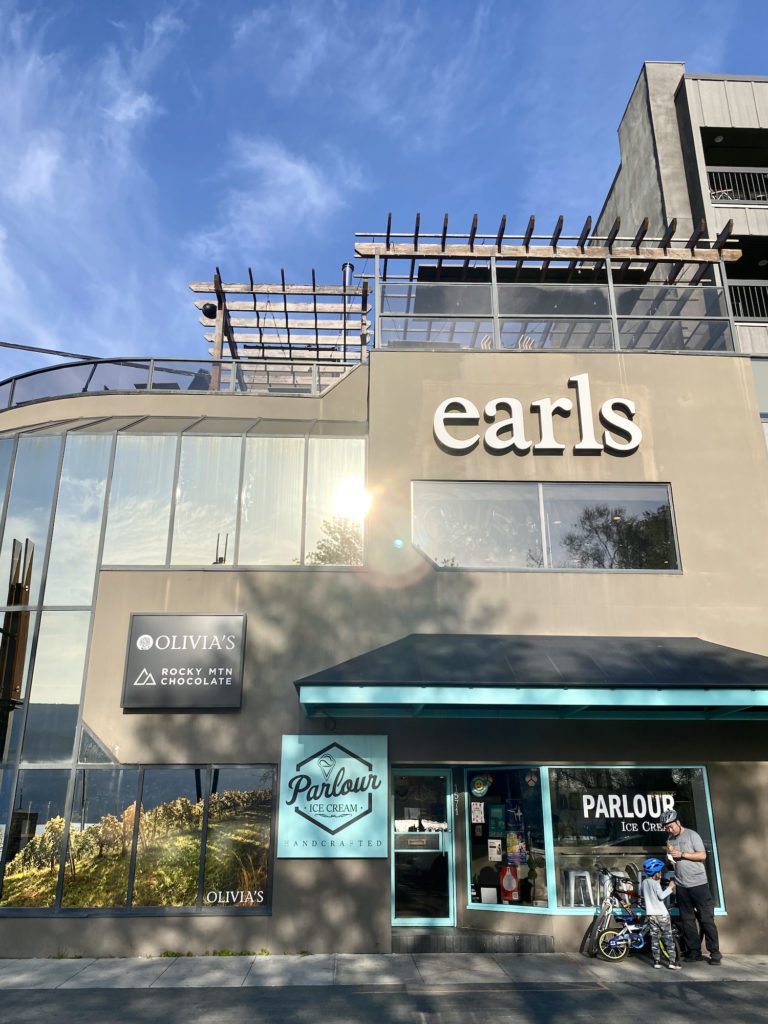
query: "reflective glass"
29, 504
49, 383
100, 838
6, 782
478, 525
270, 521
609, 817
139, 509
5, 394
428, 334
57, 679
336, 501
676, 335
15, 649
170, 827
609, 526
505, 825
237, 849
35, 838
206, 501
760, 371
579, 335
6, 454
436, 299
77, 521
534, 300
172, 375
670, 300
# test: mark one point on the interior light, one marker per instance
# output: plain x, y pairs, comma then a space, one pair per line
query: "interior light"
617, 519
762, 263
558, 522
719, 138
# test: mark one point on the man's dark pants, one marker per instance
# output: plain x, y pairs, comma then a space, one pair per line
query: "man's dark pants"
696, 907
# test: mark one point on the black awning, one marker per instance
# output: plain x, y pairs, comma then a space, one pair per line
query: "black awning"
543, 676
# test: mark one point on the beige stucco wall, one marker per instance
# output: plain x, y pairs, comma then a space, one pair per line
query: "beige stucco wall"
701, 433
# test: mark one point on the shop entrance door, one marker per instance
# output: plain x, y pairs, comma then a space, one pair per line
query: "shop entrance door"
422, 844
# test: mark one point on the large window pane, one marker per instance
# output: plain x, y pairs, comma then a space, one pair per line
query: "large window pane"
583, 334
505, 825
57, 680
6, 453
140, 501
100, 838
36, 834
609, 817
609, 526
29, 505
336, 501
553, 300
206, 501
168, 850
676, 335
237, 850
15, 649
477, 525
270, 522
77, 523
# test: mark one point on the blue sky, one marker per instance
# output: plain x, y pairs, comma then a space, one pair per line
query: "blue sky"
144, 143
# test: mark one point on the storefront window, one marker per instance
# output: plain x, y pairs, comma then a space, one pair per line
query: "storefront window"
35, 837
609, 818
100, 838
270, 524
206, 501
140, 501
77, 521
237, 851
505, 828
168, 843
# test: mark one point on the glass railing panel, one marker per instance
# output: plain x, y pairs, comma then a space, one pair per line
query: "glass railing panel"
435, 299
652, 300
576, 334
5, 394
58, 380
120, 375
553, 300
191, 375
675, 335
435, 335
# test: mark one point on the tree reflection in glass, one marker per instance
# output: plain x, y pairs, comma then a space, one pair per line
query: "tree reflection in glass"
36, 834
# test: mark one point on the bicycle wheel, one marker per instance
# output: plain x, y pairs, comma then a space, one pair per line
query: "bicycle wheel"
608, 948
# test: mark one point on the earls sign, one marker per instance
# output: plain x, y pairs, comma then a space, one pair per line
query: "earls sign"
184, 663
333, 797
621, 435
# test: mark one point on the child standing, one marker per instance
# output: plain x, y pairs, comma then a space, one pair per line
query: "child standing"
657, 912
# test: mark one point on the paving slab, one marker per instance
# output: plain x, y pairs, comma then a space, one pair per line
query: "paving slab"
557, 968
41, 973
376, 969
119, 973
315, 969
204, 972
458, 968
639, 969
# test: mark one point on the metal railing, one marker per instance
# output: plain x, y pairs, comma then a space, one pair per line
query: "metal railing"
738, 184
174, 376
749, 299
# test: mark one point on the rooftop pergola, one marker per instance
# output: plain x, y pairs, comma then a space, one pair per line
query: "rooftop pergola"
587, 254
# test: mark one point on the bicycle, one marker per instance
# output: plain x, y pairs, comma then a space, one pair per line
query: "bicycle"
634, 934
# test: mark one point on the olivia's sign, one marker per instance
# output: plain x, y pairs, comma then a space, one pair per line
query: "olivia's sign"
620, 436
333, 797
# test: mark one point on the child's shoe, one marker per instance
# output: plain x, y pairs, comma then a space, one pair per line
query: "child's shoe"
674, 967
657, 965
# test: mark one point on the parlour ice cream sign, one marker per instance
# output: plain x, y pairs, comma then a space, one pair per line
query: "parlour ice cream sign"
333, 797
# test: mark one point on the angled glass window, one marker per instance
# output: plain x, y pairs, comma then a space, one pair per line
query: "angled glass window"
15, 647
100, 838
272, 498
237, 850
6, 454
77, 521
29, 504
336, 501
57, 680
206, 501
140, 500
35, 838
507, 526
168, 845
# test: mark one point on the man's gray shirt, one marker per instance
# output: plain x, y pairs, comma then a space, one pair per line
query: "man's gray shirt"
689, 872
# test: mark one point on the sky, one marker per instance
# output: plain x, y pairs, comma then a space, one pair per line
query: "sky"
144, 144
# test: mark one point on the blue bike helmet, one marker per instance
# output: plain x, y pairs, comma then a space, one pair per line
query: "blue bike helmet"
652, 865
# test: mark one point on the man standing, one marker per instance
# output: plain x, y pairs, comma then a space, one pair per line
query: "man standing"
694, 900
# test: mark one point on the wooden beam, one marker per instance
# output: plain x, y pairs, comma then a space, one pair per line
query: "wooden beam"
445, 232
351, 323
389, 228
500, 232
668, 234
724, 235
542, 252
206, 287
613, 233
557, 232
242, 306
472, 233
697, 233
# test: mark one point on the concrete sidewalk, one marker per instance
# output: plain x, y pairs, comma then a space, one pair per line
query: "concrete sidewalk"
412, 971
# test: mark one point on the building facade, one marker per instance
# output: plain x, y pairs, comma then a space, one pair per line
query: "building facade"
368, 640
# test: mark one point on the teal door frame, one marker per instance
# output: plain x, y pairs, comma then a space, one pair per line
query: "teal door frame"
444, 842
